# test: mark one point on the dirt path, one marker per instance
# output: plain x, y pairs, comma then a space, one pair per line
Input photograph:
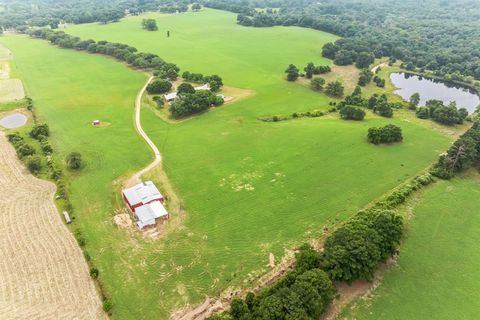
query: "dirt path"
381, 65
138, 126
43, 273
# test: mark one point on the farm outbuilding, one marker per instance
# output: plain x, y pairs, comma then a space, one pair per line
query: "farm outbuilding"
146, 202
147, 214
170, 97
143, 193
206, 86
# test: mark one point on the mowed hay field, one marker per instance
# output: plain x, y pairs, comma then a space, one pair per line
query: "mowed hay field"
43, 272
437, 276
248, 188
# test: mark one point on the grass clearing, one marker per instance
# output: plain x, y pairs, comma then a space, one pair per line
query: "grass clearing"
437, 273
248, 188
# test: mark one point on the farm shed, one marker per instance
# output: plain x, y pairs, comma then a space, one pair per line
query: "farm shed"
206, 86
143, 193
147, 214
170, 97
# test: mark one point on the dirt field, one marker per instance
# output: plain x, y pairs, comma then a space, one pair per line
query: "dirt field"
43, 274
11, 90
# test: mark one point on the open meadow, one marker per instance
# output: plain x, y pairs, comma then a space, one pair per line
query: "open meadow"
437, 275
248, 188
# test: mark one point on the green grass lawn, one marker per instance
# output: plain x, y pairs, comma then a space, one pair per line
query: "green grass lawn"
437, 275
249, 188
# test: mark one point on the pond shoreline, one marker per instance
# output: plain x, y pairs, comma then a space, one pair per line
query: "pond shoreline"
408, 83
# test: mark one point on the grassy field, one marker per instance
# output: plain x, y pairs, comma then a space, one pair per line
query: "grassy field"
249, 188
437, 275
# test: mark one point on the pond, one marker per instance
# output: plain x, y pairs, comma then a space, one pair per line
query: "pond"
12, 121
429, 89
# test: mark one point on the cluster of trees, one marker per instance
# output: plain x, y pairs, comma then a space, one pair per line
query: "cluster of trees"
334, 89
365, 77
120, 51
464, 153
159, 86
381, 106
188, 102
354, 250
387, 134
173, 6
352, 113
379, 81
149, 24
214, 81
349, 107
442, 37
26, 152
445, 114
312, 69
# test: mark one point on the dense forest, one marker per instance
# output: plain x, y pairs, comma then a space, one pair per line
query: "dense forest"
438, 35
23, 13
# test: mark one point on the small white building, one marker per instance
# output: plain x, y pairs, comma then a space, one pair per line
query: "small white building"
147, 214
206, 86
170, 96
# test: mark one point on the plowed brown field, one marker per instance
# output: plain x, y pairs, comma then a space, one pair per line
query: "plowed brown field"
43, 274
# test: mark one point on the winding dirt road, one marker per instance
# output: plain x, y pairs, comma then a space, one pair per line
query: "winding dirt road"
138, 126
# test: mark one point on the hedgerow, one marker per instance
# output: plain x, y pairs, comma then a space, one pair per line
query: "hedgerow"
463, 154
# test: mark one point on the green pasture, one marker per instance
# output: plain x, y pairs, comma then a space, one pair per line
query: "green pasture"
437, 275
248, 187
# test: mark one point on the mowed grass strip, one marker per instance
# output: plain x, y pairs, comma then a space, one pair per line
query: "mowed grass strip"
249, 188
437, 275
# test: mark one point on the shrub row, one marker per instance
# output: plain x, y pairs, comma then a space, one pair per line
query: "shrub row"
463, 154
400, 195
296, 115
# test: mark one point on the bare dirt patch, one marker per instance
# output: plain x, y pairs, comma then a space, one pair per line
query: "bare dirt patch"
4, 70
348, 75
43, 272
11, 90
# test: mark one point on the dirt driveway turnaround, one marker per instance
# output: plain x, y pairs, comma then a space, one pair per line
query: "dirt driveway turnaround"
43, 274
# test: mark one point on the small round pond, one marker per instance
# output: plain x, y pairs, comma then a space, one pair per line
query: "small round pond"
13, 121
428, 89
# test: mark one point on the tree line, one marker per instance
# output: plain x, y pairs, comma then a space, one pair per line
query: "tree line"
122, 52
463, 154
442, 36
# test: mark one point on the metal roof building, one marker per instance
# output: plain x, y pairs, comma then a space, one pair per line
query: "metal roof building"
141, 194
147, 214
